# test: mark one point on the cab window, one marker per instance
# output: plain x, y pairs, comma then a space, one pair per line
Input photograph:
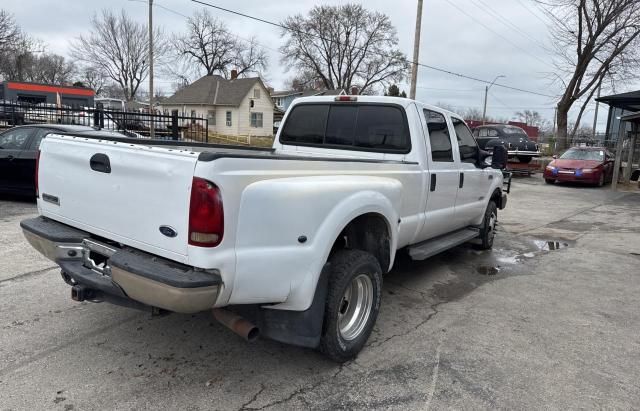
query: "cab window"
441, 150
466, 143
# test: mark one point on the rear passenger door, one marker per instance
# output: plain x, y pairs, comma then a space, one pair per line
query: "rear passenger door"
443, 177
473, 181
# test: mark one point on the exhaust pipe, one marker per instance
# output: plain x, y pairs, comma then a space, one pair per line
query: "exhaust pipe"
237, 324
80, 292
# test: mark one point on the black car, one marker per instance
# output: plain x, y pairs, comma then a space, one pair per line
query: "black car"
19, 148
518, 144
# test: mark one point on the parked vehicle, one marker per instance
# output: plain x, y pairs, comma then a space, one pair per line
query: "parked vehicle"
519, 145
19, 150
591, 165
296, 238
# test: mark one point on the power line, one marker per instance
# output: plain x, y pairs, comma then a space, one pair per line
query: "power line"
495, 32
237, 13
524, 6
487, 9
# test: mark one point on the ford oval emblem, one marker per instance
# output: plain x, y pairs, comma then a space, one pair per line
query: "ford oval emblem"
168, 231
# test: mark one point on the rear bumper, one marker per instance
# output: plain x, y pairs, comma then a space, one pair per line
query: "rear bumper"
125, 273
523, 153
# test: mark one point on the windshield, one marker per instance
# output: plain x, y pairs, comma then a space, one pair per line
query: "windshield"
597, 155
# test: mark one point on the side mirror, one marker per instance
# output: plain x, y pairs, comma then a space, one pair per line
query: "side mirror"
484, 158
499, 157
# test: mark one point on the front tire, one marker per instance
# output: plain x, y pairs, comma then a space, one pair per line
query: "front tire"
488, 230
549, 180
353, 303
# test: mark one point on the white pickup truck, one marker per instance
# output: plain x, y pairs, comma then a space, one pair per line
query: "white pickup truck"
296, 237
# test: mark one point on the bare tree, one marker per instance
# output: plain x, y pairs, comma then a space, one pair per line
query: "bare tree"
93, 78
52, 69
10, 33
118, 46
17, 50
344, 46
208, 47
593, 40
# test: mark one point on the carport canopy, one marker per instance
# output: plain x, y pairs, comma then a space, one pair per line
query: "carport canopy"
626, 101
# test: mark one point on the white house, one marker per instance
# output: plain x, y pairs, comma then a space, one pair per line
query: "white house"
236, 107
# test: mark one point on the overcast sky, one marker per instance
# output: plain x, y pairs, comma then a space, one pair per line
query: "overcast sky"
463, 36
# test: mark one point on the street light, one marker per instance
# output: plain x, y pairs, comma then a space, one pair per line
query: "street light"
486, 92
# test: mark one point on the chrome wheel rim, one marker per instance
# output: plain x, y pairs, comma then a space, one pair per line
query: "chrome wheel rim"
493, 219
355, 307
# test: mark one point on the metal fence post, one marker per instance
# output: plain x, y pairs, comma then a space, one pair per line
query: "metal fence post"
174, 124
206, 130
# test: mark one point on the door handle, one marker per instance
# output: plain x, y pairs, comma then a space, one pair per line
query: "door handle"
433, 183
100, 162
461, 180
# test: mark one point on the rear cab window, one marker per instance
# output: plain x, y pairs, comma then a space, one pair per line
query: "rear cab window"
348, 126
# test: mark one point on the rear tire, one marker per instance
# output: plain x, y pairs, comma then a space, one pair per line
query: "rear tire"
549, 181
353, 303
488, 230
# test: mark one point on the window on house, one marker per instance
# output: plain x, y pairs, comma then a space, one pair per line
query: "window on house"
278, 102
193, 117
256, 93
228, 119
256, 120
211, 117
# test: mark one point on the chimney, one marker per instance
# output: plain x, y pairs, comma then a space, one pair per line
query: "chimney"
234, 74
354, 91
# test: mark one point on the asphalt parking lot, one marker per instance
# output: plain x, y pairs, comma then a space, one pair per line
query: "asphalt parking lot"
549, 319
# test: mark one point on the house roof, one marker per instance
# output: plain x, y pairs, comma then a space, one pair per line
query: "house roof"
214, 90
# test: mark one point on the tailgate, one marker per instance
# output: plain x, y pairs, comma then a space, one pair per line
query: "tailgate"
141, 189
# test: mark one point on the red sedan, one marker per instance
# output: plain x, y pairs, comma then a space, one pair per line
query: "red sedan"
591, 165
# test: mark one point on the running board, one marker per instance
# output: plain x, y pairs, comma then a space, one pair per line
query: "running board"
429, 248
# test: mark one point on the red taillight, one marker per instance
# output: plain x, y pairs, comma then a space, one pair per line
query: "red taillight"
206, 217
37, 166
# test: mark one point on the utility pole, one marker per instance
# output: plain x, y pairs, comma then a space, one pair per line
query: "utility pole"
416, 52
151, 111
595, 115
484, 110
486, 92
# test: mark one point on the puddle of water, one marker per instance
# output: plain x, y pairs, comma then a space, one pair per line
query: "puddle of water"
487, 270
550, 245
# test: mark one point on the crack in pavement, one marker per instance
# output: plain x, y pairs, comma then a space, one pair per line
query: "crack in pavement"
65, 344
29, 274
300, 391
245, 406
433, 307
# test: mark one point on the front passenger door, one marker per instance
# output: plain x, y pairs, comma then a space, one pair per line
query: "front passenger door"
12, 169
473, 181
